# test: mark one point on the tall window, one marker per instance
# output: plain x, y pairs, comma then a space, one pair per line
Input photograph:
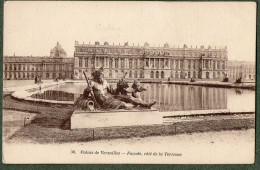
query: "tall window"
151, 75
93, 62
110, 73
86, 62
116, 63
141, 74
131, 63
189, 64
162, 74
130, 74
147, 62
157, 63
122, 63
10, 67
166, 62
110, 63
207, 64
101, 61
162, 63
157, 74
135, 74
136, 63
80, 62
152, 63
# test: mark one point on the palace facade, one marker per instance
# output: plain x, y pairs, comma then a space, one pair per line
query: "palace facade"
145, 62
244, 69
57, 65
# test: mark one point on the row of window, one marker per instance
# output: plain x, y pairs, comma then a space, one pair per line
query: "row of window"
151, 63
20, 67
19, 75
150, 52
133, 63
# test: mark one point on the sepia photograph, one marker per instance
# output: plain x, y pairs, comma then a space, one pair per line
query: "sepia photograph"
164, 82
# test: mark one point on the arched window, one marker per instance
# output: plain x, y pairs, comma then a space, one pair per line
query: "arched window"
162, 75
151, 75
157, 74
60, 75
135, 76
130, 74
24, 75
176, 75
189, 75
141, 74
214, 75
54, 75
189, 64
116, 74
207, 75
32, 76
47, 75
28, 76
194, 74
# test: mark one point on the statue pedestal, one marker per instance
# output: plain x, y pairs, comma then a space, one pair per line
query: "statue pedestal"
84, 119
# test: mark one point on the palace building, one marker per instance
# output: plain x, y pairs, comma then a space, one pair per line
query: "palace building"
241, 69
57, 65
146, 62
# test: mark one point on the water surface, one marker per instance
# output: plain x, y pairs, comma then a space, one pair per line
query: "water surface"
171, 97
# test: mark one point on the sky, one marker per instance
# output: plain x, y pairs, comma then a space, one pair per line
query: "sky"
33, 28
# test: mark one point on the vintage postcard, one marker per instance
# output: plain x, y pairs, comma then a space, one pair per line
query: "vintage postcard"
129, 82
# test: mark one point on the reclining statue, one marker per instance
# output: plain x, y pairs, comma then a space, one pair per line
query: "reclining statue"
106, 97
